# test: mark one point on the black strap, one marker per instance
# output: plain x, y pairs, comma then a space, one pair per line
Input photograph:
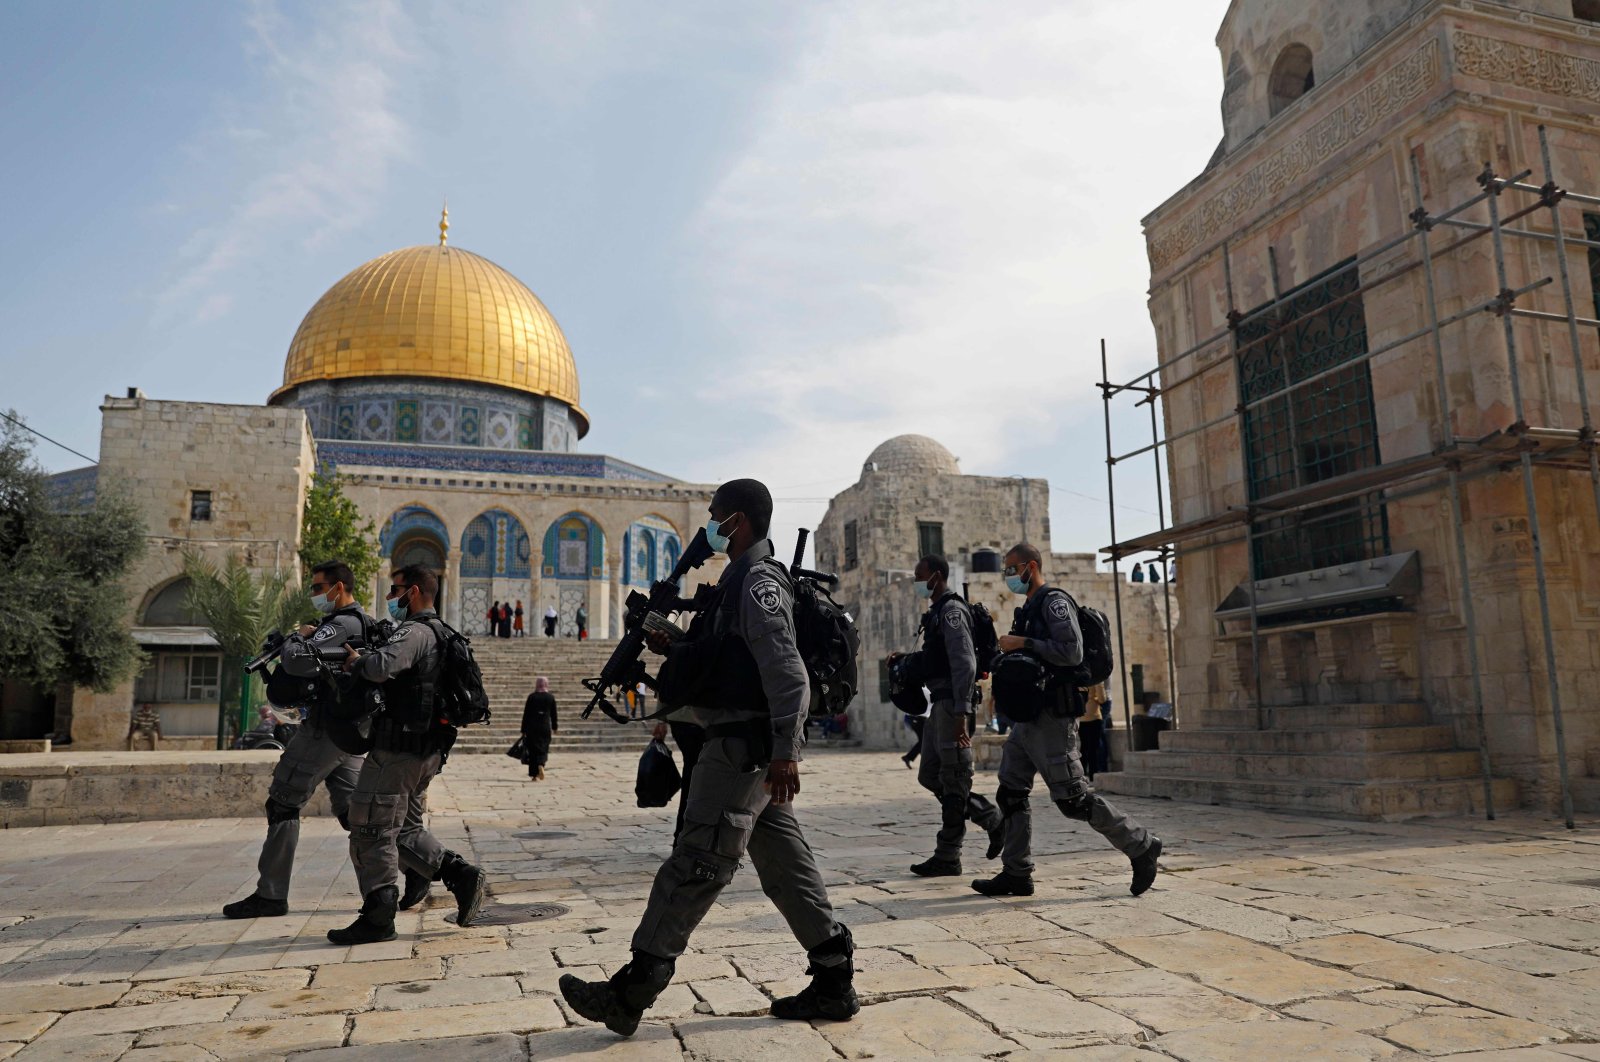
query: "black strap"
755, 732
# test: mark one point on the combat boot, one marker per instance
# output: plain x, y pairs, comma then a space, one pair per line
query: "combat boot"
376, 922
1004, 883
417, 888
937, 868
620, 1002
255, 906
466, 883
1144, 868
831, 993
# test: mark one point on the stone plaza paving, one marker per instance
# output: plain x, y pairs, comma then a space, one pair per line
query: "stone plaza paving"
1268, 936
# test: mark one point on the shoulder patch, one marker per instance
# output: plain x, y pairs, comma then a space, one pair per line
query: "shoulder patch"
324, 632
765, 594
953, 617
1058, 606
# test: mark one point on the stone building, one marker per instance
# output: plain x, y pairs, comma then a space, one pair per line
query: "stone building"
912, 499
1320, 436
444, 392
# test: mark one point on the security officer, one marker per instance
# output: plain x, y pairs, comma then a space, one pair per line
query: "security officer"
950, 665
409, 745
748, 668
1047, 625
312, 758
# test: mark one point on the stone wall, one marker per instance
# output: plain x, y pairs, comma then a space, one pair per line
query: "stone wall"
1457, 85
255, 460
976, 512
67, 788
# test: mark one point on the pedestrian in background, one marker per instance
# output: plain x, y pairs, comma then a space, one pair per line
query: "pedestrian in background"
550, 618
1091, 730
516, 622
582, 620
538, 723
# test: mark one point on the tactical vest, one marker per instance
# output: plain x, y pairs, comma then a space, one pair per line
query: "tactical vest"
1029, 622
714, 667
935, 653
410, 694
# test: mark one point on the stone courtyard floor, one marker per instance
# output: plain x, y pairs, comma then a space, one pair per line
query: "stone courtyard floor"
1269, 936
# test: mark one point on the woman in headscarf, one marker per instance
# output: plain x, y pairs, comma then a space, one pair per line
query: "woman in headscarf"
538, 723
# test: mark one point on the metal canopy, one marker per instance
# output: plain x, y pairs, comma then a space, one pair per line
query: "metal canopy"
1399, 575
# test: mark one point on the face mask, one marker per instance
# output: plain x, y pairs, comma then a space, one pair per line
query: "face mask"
323, 603
1017, 584
923, 590
397, 611
715, 538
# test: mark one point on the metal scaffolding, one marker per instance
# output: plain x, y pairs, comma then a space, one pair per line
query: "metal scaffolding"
1515, 447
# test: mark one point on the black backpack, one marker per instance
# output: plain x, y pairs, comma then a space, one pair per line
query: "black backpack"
985, 639
829, 644
458, 694
1097, 659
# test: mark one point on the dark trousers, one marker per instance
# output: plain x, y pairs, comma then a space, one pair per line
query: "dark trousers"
917, 723
690, 739
537, 741
1092, 742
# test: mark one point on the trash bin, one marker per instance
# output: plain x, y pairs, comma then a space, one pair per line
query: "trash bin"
1147, 732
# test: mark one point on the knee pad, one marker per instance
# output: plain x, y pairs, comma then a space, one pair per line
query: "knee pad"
277, 812
1078, 806
1011, 801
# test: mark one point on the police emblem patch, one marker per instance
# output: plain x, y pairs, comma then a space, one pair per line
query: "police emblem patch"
1058, 606
953, 617
766, 595
324, 632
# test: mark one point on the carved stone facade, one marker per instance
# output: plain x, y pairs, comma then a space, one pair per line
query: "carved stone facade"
912, 499
1451, 85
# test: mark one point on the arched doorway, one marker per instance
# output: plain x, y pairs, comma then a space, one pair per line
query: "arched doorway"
415, 535
496, 565
574, 562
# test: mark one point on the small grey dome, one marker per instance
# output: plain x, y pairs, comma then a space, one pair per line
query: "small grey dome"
915, 455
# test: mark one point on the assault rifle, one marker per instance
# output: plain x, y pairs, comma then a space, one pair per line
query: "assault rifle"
795, 571
625, 668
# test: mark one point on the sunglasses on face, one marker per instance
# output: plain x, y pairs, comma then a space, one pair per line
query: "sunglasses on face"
397, 590
1013, 569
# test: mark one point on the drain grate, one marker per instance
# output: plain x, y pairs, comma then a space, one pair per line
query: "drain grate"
543, 835
509, 914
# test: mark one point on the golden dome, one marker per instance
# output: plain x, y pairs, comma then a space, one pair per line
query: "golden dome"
437, 312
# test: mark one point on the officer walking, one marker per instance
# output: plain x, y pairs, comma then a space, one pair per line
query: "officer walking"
950, 667
409, 745
312, 758
747, 669
1047, 626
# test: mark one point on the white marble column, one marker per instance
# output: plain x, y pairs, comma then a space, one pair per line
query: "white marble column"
611, 622
452, 587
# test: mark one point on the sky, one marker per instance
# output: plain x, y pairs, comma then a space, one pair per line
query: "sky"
774, 234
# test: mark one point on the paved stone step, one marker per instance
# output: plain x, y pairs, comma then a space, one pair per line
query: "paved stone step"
1339, 739
1357, 767
1314, 716
1371, 801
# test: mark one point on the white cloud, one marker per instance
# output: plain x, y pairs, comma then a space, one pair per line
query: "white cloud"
938, 220
321, 141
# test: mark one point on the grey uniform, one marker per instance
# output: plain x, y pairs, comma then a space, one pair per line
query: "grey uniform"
728, 810
946, 769
1048, 746
312, 759
391, 795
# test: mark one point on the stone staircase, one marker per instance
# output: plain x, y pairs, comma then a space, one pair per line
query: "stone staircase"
1361, 761
509, 667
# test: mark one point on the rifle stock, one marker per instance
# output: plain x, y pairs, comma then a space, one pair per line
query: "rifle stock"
624, 669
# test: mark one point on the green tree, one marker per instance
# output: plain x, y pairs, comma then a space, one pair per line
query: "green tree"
66, 610
241, 608
332, 528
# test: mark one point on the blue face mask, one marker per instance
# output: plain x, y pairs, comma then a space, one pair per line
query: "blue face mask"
397, 611
1017, 584
923, 590
715, 538
323, 603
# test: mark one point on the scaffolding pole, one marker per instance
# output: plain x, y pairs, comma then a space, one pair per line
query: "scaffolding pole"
1469, 612
1166, 576
1116, 573
1493, 185
1518, 446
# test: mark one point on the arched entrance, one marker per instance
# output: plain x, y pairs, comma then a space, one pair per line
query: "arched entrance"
574, 562
415, 535
496, 565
